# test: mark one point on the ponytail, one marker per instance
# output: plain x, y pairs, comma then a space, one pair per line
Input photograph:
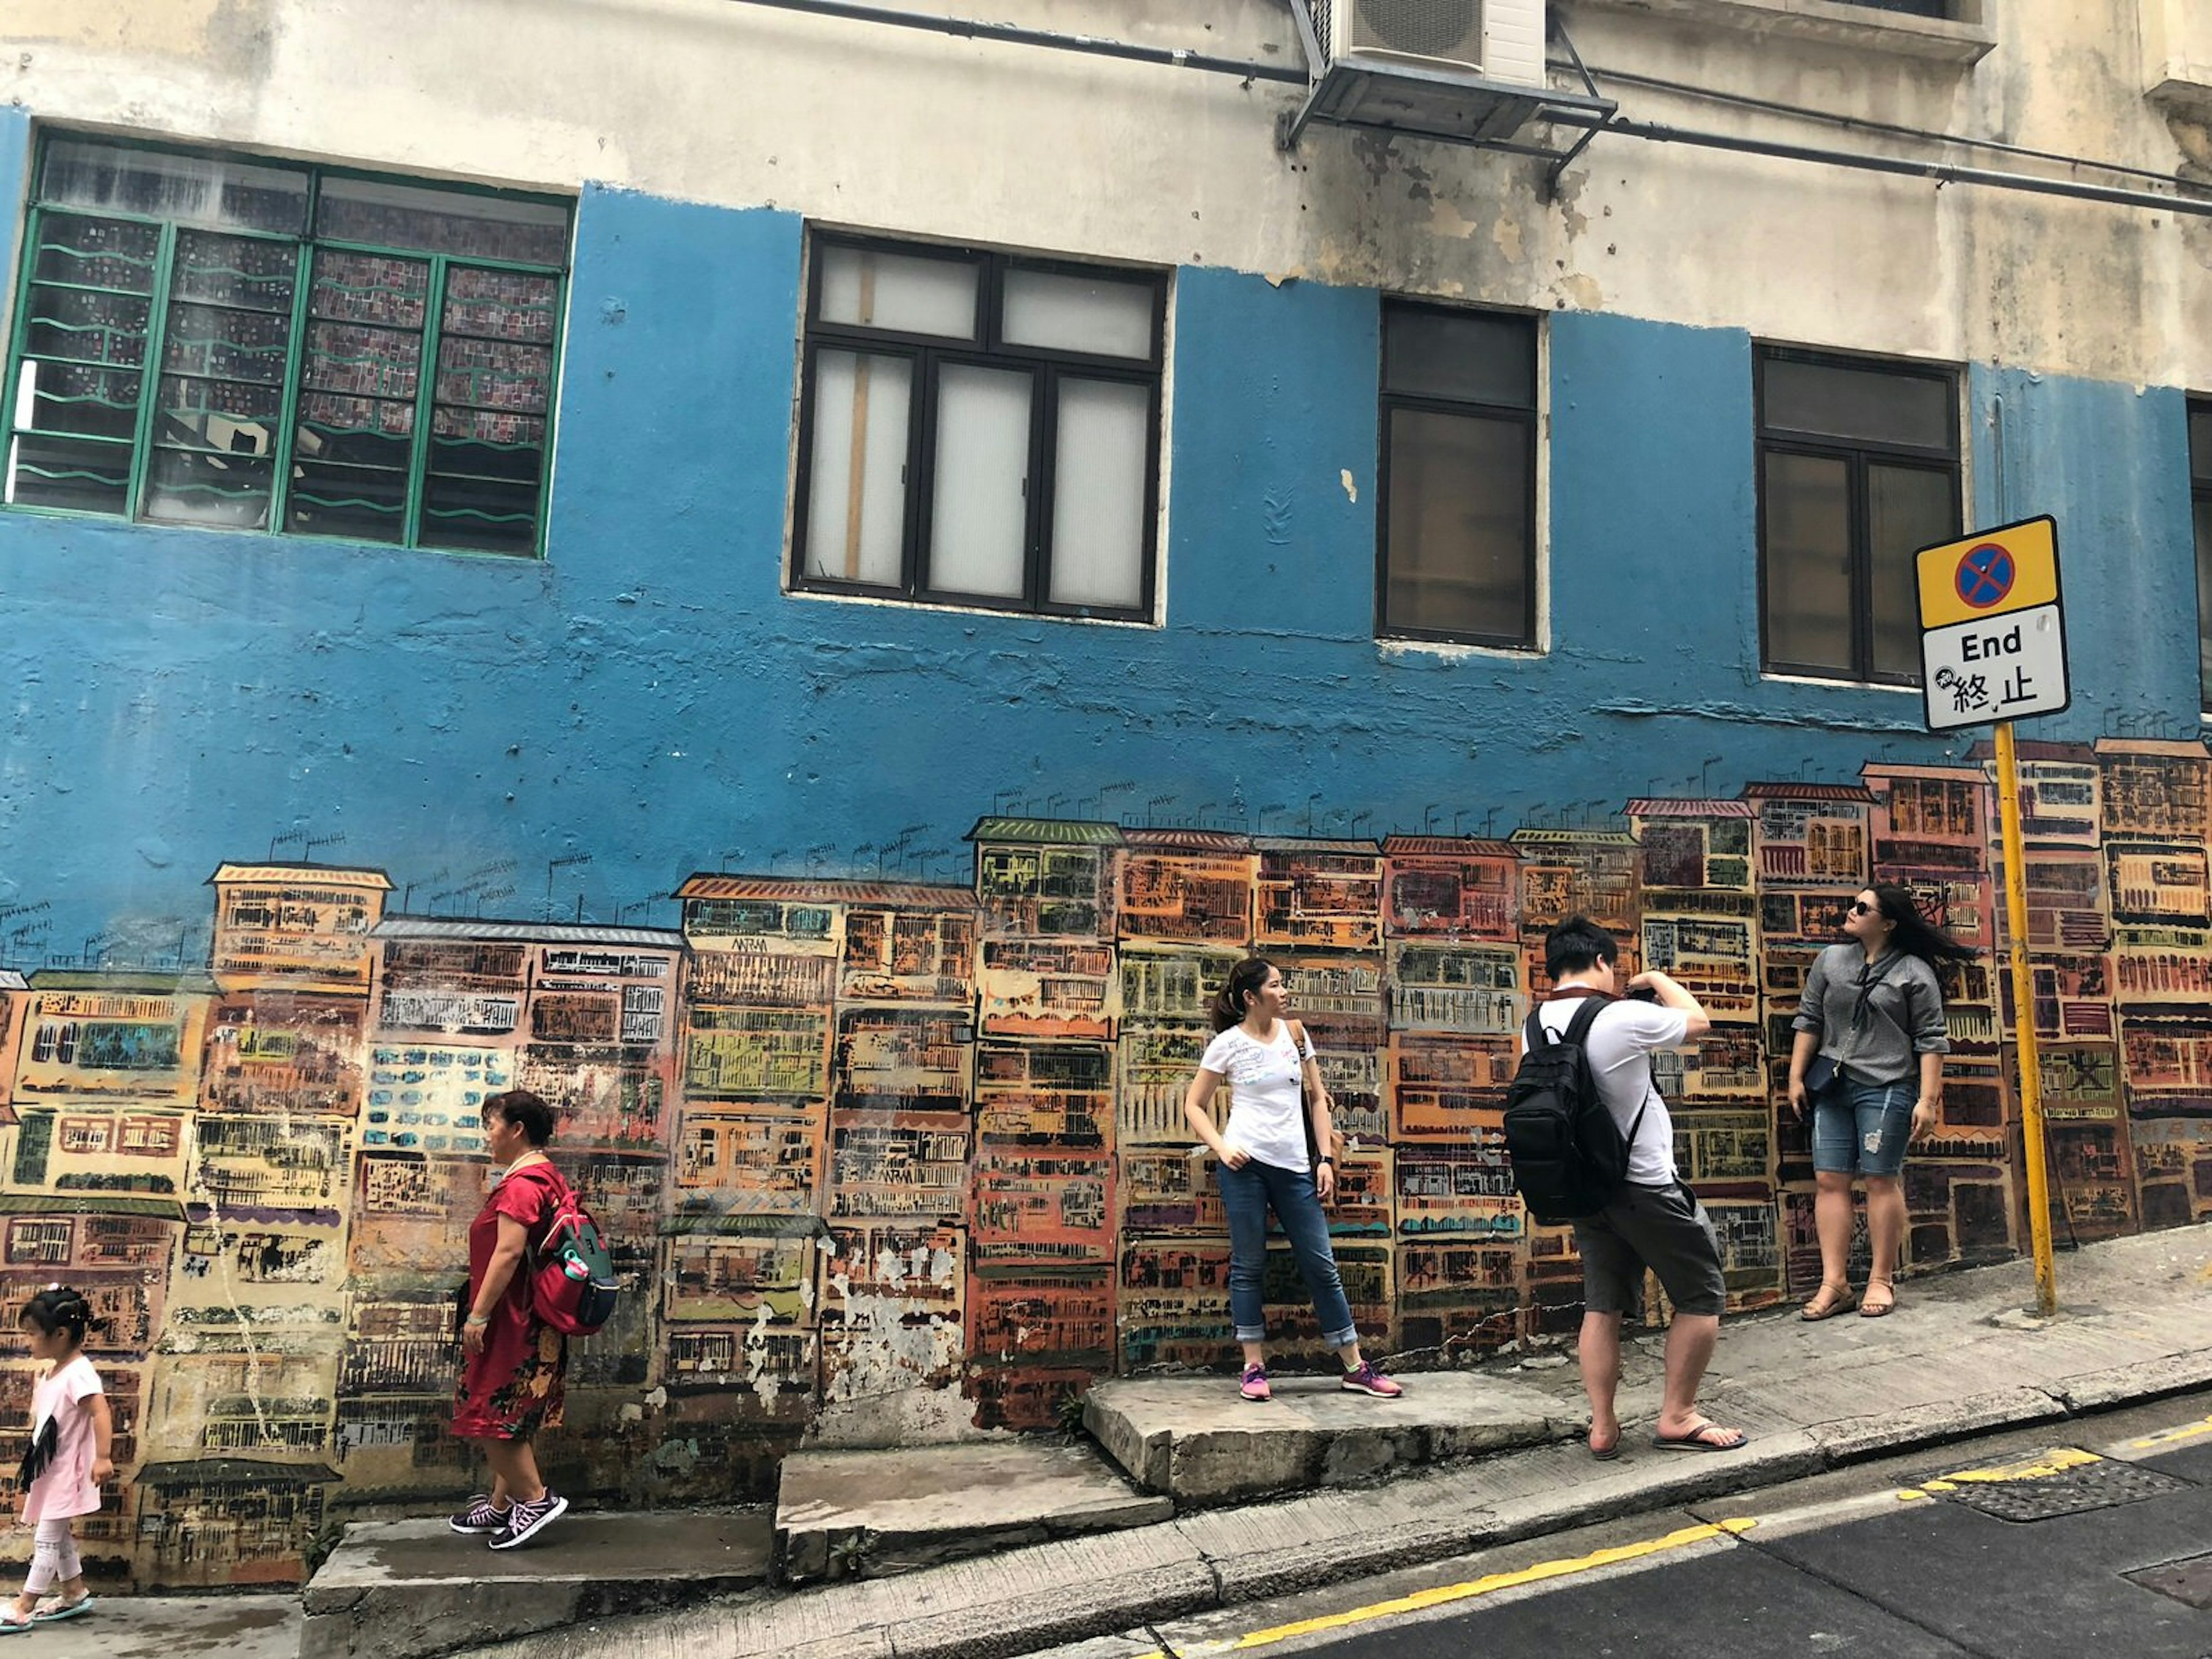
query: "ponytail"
1227, 1008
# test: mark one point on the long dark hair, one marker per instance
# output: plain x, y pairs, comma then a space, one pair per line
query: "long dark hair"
1913, 933
1227, 1008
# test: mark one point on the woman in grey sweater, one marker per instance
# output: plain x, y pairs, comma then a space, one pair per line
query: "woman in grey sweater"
1869, 1061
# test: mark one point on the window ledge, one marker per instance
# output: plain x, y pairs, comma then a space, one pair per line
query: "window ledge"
1837, 22
1395, 645
829, 596
1770, 677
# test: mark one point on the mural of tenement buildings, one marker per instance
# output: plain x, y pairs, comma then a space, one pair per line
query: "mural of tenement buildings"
870, 1146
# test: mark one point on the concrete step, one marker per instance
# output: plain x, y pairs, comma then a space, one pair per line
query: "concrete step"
403, 1590
852, 1514
175, 1626
1198, 1441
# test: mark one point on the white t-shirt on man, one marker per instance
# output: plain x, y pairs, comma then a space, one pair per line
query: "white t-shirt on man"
1265, 1098
1620, 1045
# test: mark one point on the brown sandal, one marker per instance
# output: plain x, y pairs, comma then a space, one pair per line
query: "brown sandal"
1870, 1308
1827, 1302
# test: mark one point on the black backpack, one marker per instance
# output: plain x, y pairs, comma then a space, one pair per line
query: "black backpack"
1570, 1159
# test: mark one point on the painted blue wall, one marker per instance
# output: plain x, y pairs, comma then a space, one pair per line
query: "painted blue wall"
649, 695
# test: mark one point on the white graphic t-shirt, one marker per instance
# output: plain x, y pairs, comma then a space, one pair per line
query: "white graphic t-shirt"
1264, 1096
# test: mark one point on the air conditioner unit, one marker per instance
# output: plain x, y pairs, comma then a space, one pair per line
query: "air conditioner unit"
1501, 41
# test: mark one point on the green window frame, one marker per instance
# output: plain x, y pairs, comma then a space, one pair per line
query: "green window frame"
225, 341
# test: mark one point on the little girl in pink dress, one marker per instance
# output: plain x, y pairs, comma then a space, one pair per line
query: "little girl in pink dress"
72, 1440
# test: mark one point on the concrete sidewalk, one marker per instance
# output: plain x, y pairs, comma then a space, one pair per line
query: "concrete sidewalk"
1958, 1358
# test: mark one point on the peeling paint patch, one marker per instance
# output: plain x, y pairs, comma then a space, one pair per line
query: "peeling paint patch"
1351, 486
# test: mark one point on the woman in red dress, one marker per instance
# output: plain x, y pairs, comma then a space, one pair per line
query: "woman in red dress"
512, 1376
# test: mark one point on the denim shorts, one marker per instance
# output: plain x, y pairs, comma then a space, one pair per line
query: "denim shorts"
1862, 1129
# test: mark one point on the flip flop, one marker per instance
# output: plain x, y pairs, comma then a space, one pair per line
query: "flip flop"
1696, 1440
1606, 1453
76, 1609
13, 1623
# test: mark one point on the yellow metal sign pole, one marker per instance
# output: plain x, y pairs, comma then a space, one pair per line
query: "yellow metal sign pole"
2023, 1003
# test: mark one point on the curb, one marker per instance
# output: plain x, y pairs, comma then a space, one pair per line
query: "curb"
1210, 1559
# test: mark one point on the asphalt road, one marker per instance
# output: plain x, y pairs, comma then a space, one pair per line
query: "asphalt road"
1891, 1561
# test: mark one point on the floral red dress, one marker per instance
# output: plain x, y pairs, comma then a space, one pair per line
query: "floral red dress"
515, 1387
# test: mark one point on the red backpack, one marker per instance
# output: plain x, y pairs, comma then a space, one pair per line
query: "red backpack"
572, 1284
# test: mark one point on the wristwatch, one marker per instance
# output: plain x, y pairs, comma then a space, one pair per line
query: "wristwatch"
1325, 1159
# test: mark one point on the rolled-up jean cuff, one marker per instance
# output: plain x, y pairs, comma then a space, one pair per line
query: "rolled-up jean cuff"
1250, 1332
1343, 1338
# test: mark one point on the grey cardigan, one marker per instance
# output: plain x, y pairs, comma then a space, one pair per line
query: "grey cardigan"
1905, 1013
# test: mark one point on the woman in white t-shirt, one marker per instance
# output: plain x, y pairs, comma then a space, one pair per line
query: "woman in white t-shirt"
1265, 1164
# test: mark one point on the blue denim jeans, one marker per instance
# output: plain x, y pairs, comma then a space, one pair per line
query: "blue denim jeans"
1862, 1129
1247, 1195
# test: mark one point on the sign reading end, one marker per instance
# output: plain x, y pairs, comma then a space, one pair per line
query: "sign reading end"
1992, 627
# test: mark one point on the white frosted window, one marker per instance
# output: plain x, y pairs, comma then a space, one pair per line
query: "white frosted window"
863, 288
856, 495
1078, 313
978, 526
1099, 502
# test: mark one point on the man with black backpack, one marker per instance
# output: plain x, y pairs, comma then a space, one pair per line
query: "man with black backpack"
1614, 1177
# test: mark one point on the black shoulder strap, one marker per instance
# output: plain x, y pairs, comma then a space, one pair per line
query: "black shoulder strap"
1579, 1028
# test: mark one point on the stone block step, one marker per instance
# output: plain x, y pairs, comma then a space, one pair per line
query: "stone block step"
847, 1513
1197, 1441
402, 1589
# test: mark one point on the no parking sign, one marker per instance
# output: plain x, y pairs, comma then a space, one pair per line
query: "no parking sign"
1992, 626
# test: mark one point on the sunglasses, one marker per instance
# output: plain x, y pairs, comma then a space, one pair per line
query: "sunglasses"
1861, 908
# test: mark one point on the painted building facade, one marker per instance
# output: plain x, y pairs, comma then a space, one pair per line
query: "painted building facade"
810, 627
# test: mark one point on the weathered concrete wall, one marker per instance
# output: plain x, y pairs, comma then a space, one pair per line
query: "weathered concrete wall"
902, 130
888, 1159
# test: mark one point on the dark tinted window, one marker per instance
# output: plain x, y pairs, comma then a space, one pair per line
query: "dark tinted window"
1858, 470
1458, 533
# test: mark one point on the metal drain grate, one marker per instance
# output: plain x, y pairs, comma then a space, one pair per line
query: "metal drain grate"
2100, 1486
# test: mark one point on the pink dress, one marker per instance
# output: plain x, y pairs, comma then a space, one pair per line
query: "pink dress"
66, 1487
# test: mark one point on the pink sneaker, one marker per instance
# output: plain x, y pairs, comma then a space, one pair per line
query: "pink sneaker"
1367, 1380
1254, 1385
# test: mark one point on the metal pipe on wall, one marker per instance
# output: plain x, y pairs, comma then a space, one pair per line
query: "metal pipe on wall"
1097, 46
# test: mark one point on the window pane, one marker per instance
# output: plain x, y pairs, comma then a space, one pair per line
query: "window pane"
188, 190
867, 288
442, 220
1458, 533
78, 384
856, 496
2204, 597
1460, 354
81, 474
1099, 499
494, 385
1872, 404
1808, 562
978, 529
1078, 313
224, 352
1909, 508
2200, 444
359, 375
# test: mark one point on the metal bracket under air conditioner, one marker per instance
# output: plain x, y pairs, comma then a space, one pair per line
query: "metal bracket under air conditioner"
1450, 107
